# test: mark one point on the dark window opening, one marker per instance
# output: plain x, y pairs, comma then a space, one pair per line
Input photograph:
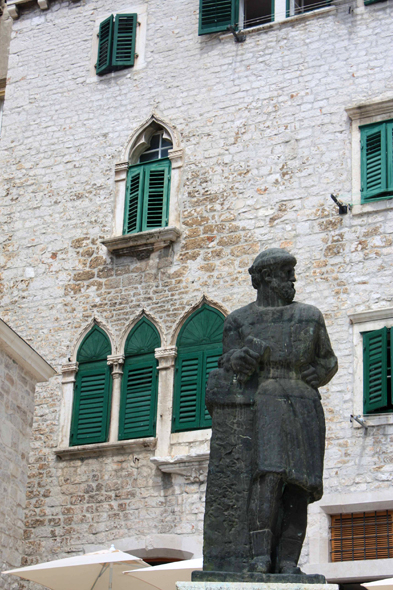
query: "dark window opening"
160, 560
301, 6
258, 12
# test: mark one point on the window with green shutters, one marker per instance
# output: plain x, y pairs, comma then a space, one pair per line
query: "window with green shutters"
199, 346
116, 43
377, 371
138, 401
148, 187
92, 391
376, 161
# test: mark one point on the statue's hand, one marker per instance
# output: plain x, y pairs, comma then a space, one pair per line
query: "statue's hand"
310, 376
244, 362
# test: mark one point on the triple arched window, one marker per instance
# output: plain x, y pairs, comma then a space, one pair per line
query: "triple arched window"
198, 348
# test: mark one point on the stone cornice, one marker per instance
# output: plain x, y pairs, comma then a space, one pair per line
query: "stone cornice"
193, 467
371, 315
24, 354
370, 109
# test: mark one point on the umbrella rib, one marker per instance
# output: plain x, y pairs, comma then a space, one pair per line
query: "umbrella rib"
103, 569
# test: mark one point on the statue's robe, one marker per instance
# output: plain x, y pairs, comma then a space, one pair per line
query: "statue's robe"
274, 423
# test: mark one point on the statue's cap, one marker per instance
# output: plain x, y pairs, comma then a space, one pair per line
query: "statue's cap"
273, 257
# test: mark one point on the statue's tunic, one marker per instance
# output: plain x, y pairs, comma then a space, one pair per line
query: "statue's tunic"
289, 426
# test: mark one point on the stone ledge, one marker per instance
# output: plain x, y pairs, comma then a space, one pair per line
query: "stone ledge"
290, 20
259, 578
144, 242
372, 207
370, 109
352, 571
12, 6
360, 317
187, 465
137, 444
253, 586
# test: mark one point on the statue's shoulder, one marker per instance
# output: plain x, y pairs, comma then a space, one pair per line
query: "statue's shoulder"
308, 311
238, 316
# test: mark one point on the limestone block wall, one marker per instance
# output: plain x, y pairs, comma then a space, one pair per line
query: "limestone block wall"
16, 420
266, 140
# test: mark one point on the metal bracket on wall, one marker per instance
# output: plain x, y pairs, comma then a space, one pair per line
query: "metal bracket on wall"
239, 37
342, 209
359, 420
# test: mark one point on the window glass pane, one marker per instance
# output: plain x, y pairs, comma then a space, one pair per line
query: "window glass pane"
166, 143
155, 141
257, 12
164, 153
148, 156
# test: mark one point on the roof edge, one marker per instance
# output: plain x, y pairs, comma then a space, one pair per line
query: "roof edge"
24, 354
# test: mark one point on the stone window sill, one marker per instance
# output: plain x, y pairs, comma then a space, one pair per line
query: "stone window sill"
284, 22
371, 420
191, 466
13, 11
136, 444
144, 242
372, 207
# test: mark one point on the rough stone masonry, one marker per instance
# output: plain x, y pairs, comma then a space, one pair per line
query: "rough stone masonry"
266, 140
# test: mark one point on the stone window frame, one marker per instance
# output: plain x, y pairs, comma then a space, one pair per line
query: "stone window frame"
140, 42
319, 514
366, 113
367, 321
156, 239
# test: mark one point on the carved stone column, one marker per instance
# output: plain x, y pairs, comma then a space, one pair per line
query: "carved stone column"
116, 362
166, 366
69, 372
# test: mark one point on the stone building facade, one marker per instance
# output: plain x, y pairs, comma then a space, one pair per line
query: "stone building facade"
262, 133
21, 368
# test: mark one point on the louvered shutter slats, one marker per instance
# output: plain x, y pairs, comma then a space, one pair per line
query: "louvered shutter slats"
138, 399
156, 195
188, 386
124, 40
375, 370
91, 404
134, 193
360, 536
217, 15
105, 41
210, 362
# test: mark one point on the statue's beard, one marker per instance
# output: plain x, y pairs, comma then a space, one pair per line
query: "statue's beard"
285, 290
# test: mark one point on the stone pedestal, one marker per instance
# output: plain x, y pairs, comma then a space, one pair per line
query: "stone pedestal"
299, 585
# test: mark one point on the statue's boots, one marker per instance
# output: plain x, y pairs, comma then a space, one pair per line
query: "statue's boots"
261, 542
289, 550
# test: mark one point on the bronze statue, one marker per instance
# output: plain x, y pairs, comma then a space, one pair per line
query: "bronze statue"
268, 440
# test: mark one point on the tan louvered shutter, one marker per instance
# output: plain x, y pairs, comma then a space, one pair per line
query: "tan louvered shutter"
362, 535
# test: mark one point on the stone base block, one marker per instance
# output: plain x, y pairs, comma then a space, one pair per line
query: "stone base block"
258, 578
298, 585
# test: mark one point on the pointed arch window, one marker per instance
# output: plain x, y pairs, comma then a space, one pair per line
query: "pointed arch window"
199, 346
92, 392
138, 401
148, 187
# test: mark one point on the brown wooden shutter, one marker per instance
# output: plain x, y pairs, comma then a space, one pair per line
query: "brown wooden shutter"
362, 535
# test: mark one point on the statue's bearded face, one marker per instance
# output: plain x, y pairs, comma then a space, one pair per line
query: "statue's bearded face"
282, 282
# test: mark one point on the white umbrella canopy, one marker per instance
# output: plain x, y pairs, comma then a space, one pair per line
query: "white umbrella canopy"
164, 577
99, 570
386, 584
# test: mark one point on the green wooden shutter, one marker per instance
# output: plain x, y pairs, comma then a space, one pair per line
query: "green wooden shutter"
138, 405
90, 415
188, 385
133, 201
373, 161
389, 155
375, 370
156, 195
105, 41
210, 362
217, 15
124, 40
